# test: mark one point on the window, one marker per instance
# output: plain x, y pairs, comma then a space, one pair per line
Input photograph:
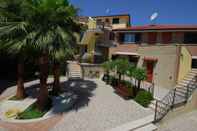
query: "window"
190, 37
116, 21
129, 38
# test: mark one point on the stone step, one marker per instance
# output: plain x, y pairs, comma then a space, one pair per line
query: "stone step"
187, 81
75, 75
74, 72
185, 84
149, 127
179, 100
189, 76
181, 94
183, 89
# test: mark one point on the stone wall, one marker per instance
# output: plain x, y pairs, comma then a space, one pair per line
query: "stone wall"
91, 70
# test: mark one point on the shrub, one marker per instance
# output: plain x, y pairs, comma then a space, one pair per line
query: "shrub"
144, 98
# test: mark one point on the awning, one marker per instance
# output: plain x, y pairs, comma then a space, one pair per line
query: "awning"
126, 53
150, 59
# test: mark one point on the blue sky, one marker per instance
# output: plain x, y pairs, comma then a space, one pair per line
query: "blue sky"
170, 11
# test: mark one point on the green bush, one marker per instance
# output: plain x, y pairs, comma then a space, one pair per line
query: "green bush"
144, 98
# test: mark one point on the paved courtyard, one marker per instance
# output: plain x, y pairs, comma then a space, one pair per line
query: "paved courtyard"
98, 108
184, 122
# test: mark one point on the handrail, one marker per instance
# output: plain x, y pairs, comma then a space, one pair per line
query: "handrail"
168, 101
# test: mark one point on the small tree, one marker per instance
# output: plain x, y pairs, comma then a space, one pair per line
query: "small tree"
130, 71
122, 66
139, 74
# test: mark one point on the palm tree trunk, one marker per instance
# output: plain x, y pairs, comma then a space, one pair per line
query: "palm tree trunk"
56, 83
20, 94
42, 100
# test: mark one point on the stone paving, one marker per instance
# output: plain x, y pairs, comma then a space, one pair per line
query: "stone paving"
105, 110
98, 108
184, 122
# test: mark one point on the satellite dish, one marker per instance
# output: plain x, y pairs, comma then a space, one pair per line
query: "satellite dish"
154, 16
107, 11
90, 18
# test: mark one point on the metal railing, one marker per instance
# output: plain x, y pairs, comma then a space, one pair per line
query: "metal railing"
162, 107
191, 87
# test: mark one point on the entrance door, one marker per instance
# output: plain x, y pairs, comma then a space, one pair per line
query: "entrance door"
149, 67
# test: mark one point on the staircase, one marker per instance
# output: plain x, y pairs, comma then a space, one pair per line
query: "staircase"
175, 97
74, 70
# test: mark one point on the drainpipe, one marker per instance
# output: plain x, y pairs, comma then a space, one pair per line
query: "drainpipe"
178, 52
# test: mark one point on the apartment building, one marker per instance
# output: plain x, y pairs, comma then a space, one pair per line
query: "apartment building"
168, 52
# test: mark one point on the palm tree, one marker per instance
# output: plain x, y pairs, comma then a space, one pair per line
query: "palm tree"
55, 37
13, 37
48, 26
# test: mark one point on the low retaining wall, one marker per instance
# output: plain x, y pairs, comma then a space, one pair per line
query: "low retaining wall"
91, 70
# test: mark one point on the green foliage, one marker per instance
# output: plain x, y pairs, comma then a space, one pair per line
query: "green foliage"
144, 98
130, 71
139, 74
122, 65
40, 25
108, 66
32, 112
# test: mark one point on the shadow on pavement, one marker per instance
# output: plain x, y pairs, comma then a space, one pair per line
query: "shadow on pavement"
76, 94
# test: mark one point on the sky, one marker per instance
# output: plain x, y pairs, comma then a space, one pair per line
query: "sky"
169, 11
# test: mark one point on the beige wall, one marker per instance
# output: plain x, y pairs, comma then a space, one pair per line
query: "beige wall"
91, 70
124, 20
185, 61
164, 74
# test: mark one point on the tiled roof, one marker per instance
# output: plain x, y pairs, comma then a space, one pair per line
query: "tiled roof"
158, 27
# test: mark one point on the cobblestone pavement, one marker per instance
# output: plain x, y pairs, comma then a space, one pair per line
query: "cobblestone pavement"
98, 108
105, 110
184, 122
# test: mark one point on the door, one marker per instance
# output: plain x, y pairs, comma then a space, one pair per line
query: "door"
149, 67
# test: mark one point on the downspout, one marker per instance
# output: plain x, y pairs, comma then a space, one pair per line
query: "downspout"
178, 52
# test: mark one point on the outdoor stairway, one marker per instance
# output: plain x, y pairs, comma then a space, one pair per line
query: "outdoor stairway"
74, 70
175, 97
